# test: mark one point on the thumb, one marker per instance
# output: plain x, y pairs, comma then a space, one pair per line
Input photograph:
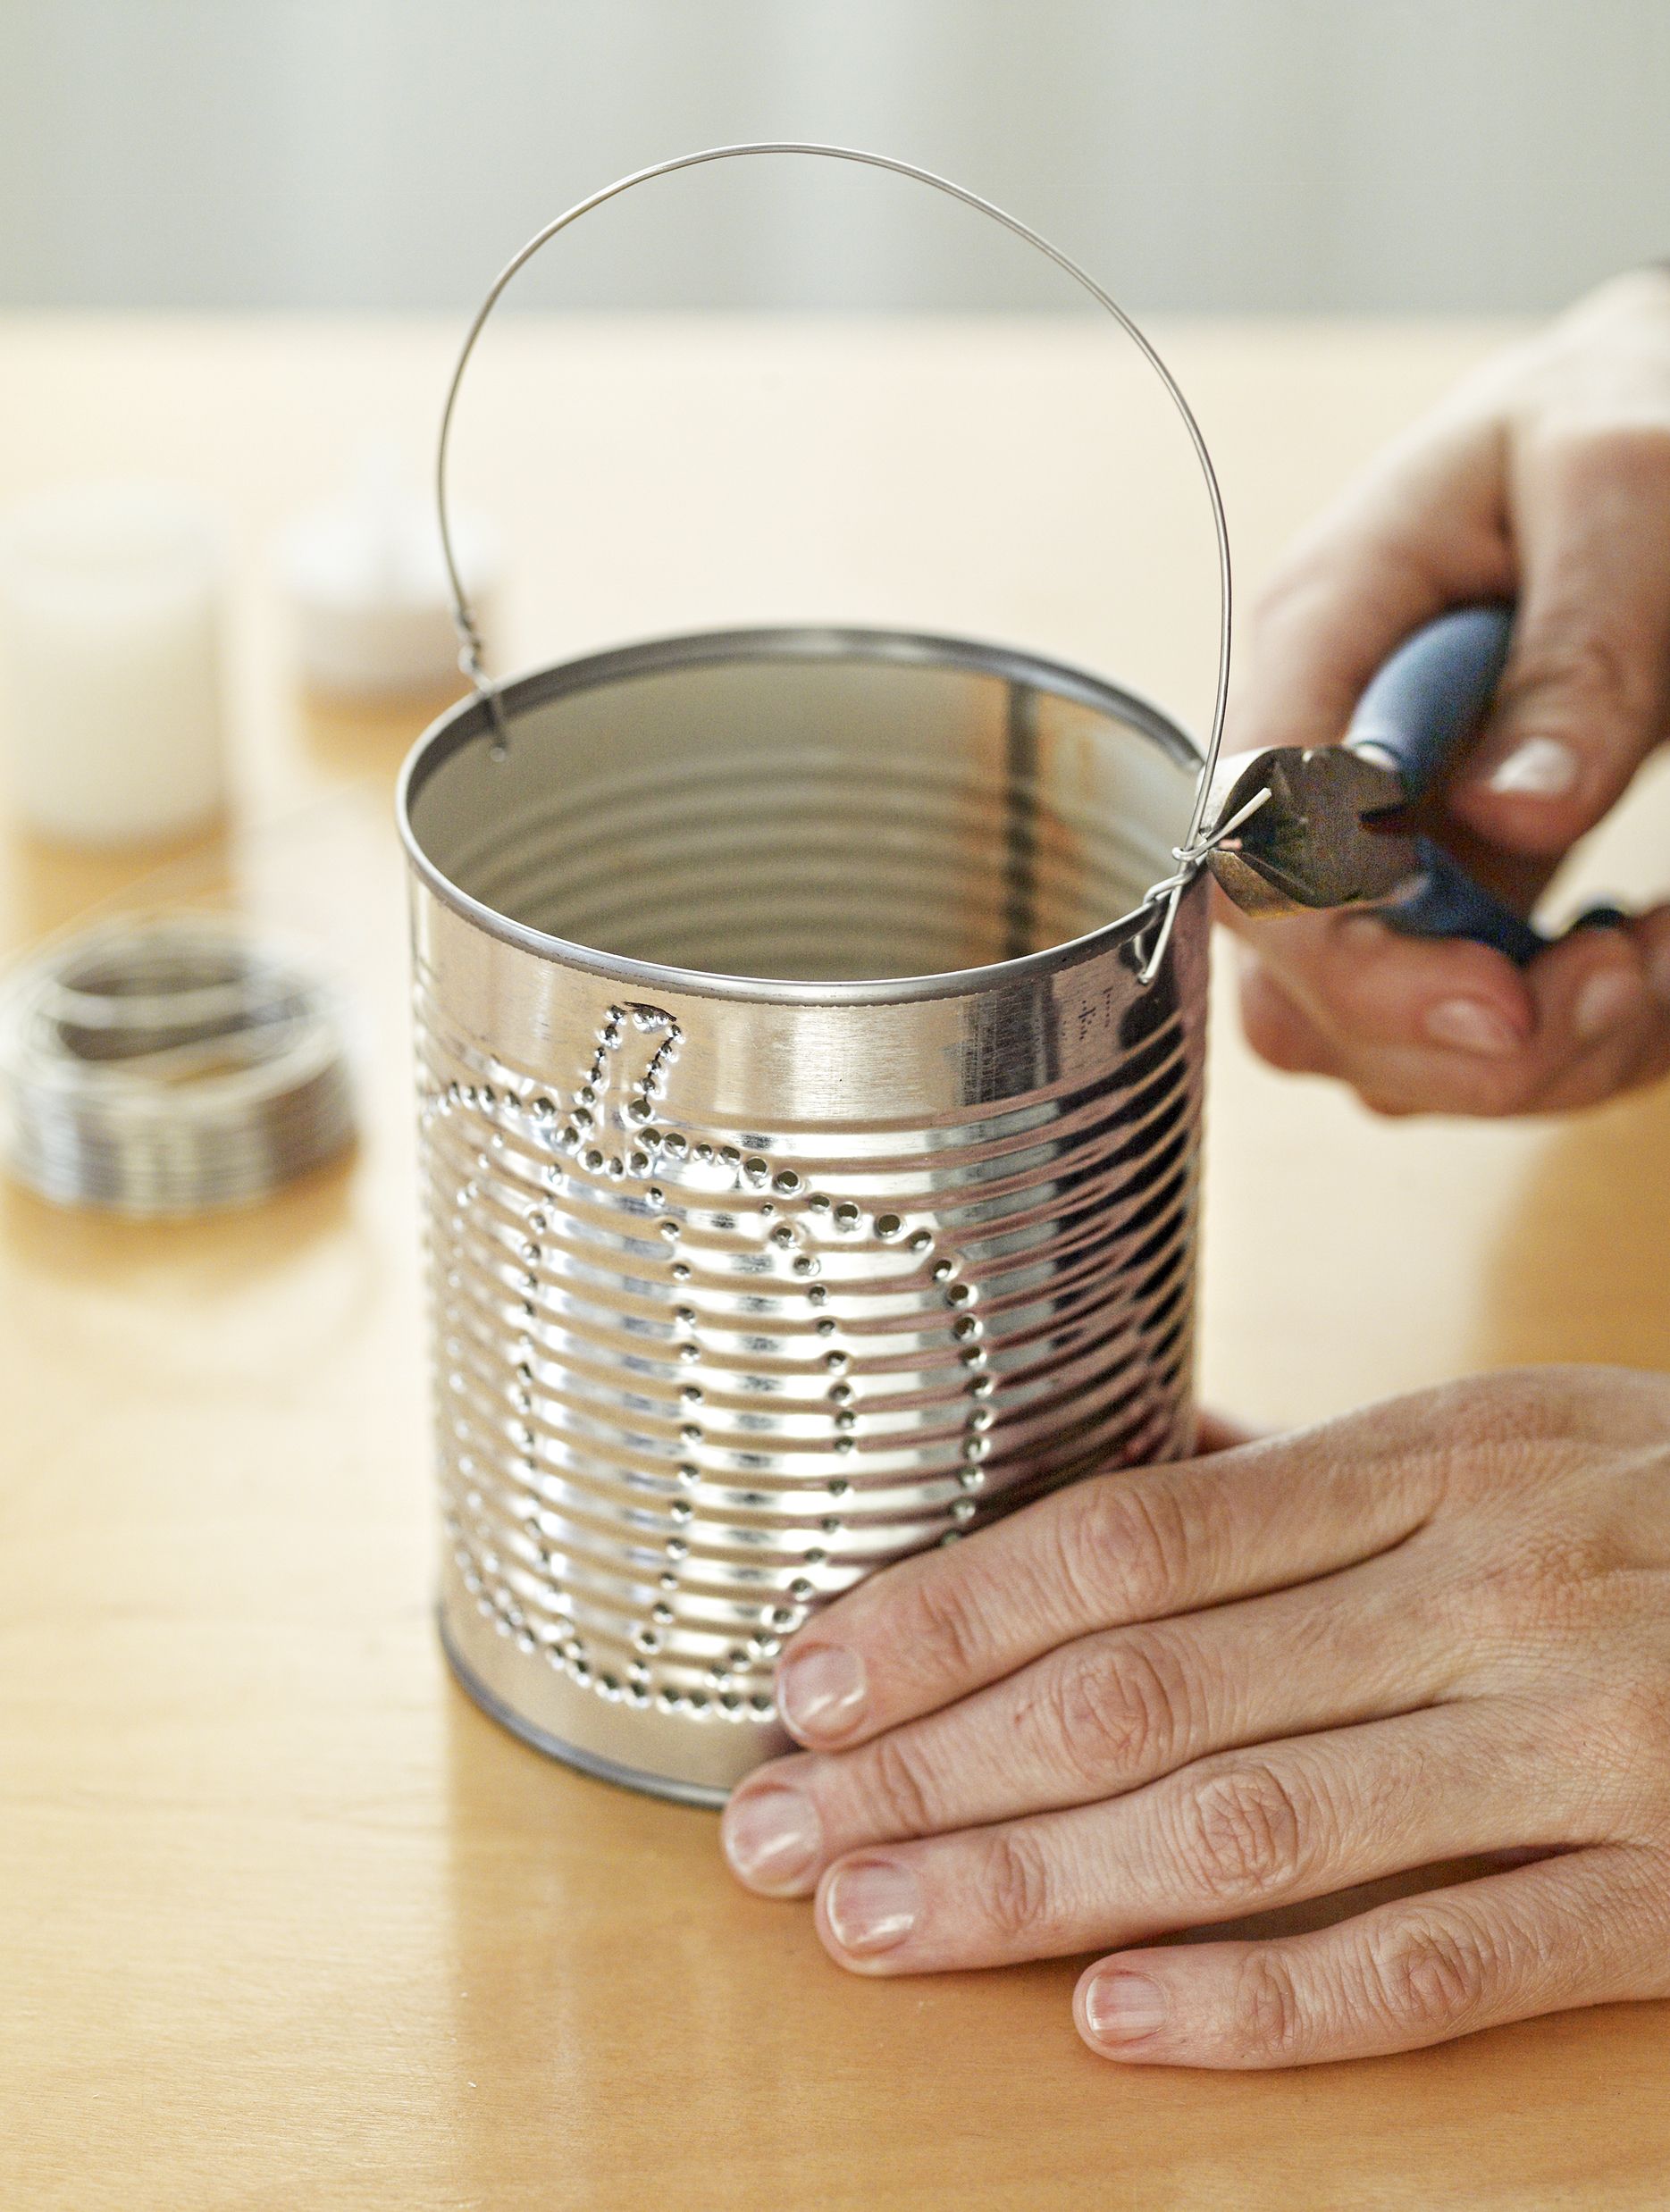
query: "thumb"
1583, 699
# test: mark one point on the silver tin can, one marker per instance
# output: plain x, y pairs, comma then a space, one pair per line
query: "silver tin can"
807, 1175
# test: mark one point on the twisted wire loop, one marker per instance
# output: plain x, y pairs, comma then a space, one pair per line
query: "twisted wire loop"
171, 1064
472, 664
1167, 895
1191, 854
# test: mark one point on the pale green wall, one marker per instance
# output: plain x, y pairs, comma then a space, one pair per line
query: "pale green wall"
1201, 154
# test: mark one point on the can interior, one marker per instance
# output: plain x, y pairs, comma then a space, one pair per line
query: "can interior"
806, 805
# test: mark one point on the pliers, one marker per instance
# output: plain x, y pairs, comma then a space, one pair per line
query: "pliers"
1330, 827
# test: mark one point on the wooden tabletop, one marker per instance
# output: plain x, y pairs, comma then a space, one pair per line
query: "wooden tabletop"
284, 1921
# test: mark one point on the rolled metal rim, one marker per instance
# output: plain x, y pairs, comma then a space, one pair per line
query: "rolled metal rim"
471, 718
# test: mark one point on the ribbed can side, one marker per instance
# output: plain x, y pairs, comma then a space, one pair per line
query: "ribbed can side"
699, 1368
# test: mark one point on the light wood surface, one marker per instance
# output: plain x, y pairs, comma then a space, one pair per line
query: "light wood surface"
284, 1922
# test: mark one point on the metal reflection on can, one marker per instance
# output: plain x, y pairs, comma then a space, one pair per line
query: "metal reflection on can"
808, 1176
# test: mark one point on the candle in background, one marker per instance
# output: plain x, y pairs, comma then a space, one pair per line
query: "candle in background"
370, 605
111, 608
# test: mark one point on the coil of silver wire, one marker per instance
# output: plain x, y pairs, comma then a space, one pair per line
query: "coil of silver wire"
171, 1064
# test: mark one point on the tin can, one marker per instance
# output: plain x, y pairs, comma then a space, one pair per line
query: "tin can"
808, 1174
809, 1031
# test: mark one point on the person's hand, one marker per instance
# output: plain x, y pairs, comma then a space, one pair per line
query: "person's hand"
1545, 478
1178, 1695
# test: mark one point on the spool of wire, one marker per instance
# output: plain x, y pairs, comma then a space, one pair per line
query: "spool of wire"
169, 1065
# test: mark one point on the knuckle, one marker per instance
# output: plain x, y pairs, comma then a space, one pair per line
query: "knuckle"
1618, 1745
1290, 592
1124, 1542
1602, 445
1575, 667
1368, 532
1244, 1831
1432, 1974
1545, 1588
1083, 1529
892, 1780
1586, 1742
1636, 1728
1020, 1886
1510, 1406
1497, 1440
1636, 451
1535, 1587
1266, 2019
947, 1636
1117, 1709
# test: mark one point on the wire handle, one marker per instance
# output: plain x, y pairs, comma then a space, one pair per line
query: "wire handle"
1191, 855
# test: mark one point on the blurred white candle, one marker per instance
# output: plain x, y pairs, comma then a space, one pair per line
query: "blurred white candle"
111, 602
371, 608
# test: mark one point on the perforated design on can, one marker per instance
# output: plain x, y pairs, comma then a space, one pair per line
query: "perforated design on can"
693, 1382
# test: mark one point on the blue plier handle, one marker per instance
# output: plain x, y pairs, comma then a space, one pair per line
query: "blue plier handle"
1420, 708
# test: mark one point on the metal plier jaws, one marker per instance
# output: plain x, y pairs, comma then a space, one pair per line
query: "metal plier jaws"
1311, 842
1329, 830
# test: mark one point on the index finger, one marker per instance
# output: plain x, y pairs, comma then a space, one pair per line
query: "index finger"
1420, 533
1107, 1552
1420, 1024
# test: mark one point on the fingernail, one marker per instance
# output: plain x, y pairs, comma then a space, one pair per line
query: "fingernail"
1606, 1001
771, 1837
819, 1691
1540, 769
1123, 2008
873, 1905
1471, 1026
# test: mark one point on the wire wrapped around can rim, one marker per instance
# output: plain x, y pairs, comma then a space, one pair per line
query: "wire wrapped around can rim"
171, 1064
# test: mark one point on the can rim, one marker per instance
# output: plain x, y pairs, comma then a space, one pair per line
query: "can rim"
473, 716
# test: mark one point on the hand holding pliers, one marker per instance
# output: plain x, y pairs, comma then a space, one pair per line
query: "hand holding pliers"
1326, 826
